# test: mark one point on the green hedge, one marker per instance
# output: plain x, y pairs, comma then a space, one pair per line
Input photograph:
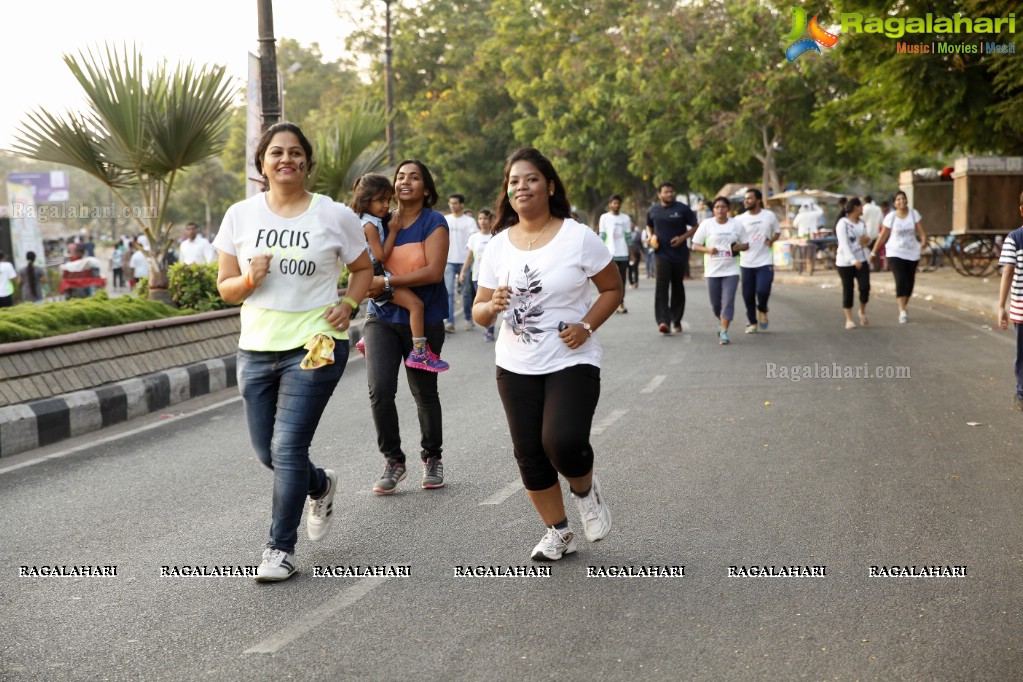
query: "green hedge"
26, 321
195, 287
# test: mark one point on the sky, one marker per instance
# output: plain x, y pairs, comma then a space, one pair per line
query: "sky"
37, 33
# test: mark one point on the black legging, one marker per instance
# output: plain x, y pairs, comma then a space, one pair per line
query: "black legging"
549, 417
848, 273
905, 275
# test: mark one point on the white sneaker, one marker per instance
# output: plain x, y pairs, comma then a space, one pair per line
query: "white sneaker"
276, 565
318, 519
554, 545
594, 512
903, 317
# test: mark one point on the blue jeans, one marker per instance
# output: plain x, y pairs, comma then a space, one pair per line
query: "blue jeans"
469, 288
450, 278
283, 404
756, 289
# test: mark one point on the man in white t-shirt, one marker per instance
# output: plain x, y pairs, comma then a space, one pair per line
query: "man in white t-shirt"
755, 263
805, 222
196, 249
460, 226
872, 217
614, 229
138, 264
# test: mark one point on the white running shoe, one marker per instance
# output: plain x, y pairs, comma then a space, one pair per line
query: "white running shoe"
594, 512
276, 565
318, 519
903, 317
554, 545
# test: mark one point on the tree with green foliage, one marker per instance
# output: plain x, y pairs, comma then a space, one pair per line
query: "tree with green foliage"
952, 103
141, 130
354, 147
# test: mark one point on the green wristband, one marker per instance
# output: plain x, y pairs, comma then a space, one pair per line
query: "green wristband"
351, 302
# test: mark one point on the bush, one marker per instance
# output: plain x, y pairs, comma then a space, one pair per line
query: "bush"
195, 287
27, 321
141, 289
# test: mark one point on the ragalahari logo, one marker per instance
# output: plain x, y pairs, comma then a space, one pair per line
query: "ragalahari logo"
818, 36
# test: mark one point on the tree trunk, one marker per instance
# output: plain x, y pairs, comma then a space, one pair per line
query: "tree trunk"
158, 283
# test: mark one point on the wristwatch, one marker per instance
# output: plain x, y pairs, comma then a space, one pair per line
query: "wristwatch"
587, 327
387, 283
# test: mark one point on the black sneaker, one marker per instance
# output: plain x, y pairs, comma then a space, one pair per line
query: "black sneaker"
394, 473
1017, 402
433, 473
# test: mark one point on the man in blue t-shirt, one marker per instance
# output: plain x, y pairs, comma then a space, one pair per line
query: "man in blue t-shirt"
671, 222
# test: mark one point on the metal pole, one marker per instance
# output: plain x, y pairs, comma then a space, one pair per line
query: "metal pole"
388, 51
268, 65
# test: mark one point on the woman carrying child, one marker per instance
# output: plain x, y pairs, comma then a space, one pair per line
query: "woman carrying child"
371, 201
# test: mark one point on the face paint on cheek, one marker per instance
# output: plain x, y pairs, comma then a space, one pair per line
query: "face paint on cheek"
301, 166
511, 193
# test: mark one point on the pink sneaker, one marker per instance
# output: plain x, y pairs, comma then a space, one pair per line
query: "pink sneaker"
427, 361
361, 346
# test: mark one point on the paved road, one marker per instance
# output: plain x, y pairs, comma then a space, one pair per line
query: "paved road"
707, 461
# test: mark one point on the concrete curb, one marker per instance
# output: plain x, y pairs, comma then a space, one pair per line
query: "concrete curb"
27, 426
30, 425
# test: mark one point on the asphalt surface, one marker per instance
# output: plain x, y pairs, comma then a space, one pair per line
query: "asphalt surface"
710, 457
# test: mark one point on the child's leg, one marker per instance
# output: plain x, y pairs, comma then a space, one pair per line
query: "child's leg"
407, 299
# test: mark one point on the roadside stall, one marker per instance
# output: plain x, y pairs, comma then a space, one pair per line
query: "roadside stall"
804, 250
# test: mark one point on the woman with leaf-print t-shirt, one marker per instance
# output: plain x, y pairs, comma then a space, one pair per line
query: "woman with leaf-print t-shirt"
535, 276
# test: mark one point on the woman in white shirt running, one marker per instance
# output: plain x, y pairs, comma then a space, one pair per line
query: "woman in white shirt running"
902, 236
720, 239
852, 259
537, 275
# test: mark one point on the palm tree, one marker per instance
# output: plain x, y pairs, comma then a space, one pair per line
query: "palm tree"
350, 150
141, 128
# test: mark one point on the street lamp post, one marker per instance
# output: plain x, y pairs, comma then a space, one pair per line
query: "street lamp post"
388, 51
268, 65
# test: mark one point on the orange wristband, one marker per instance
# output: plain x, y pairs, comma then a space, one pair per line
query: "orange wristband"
248, 281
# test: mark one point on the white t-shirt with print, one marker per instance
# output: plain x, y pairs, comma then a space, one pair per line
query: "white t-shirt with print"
477, 243
549, 284
902, 242
759, 228
850, 251
711, 234
459, 230
616, 228
307, 250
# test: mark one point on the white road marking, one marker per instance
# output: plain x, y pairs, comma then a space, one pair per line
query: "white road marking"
607, 421
110, 439
504, 493
654, 383
318, 616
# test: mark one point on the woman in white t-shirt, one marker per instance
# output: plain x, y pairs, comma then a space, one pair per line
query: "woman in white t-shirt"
852, 259
902, 236
281, 253
719, 239
536, 274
